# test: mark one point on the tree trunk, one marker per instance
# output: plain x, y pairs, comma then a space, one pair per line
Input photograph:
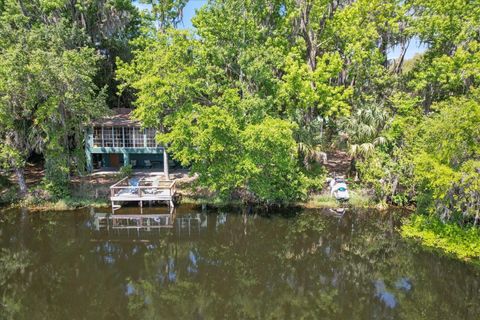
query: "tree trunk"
21, 181
401, 58
352, 170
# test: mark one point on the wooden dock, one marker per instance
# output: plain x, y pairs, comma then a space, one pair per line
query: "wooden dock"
142, 189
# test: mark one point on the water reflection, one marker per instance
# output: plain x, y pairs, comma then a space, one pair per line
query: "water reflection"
145, 227
192, 264
384, 295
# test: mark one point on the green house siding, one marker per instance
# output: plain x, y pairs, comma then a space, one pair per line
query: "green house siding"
139, 153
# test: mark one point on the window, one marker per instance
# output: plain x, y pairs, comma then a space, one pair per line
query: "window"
118, 136
123, 137
138, 137
97, 137
107, 137
150, 133
128, 137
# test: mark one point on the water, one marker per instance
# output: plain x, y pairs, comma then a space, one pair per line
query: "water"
227, 265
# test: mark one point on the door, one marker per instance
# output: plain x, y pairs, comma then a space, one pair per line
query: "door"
115, 160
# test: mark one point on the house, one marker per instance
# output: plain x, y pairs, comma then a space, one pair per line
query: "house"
118, 140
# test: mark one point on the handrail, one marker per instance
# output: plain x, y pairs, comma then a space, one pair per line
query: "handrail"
169, 185
119, 182
142, 187
117, 185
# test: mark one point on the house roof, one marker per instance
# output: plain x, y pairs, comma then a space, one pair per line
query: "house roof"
122, 117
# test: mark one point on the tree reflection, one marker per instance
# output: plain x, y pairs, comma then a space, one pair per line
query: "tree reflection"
305, 265
308, 267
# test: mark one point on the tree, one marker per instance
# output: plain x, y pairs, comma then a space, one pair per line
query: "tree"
447, 161
363, 131
166, 13
164, 74
208, 140
322, 66
204, 92
270, 161
451, 63
47, 94
259, 159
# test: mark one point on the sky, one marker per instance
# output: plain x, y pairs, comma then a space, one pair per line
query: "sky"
415, 47
192, 5
188, 11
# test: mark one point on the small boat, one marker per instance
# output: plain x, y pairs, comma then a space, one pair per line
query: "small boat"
339, 190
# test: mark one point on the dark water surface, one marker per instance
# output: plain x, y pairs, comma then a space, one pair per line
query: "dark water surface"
227, 265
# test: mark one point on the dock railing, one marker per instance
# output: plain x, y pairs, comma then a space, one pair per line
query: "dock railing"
145, 189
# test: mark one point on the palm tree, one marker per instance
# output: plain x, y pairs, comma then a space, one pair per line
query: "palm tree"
362, 131
310, 138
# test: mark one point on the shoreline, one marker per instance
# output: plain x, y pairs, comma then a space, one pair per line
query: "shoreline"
415, 227
359, 200
94, 191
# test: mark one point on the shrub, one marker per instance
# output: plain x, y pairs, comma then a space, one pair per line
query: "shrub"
126, 171
464, 243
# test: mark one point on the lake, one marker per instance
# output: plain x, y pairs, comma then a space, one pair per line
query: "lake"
290, 264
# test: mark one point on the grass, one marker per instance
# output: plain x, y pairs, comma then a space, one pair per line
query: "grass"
65, 204
214, 201
358, 199
450, 238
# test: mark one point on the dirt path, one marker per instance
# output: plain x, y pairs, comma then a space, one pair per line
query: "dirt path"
338, 163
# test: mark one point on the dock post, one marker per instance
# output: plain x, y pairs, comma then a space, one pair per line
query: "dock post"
165, 164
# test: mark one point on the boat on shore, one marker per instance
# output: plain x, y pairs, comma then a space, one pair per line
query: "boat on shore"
339, 189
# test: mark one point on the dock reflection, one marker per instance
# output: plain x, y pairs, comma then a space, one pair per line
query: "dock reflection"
148, 226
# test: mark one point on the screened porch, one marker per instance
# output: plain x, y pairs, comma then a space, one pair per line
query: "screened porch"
123, 137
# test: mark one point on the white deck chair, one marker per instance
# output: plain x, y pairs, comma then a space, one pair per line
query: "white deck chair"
155, 185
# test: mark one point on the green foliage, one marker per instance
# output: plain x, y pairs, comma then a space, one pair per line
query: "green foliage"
400, 199
256, 94
9, 195
303, 88
446, 148
373, 172
244, 65
4, 181
52, 54
430, 152
269, 161
125, 171
12, 263
64, 203
163, 74
463, 243
208, 141
166, 13
363, 130
315, 178
11, 157
260, 158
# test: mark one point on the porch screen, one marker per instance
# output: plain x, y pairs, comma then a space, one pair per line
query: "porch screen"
124, 137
